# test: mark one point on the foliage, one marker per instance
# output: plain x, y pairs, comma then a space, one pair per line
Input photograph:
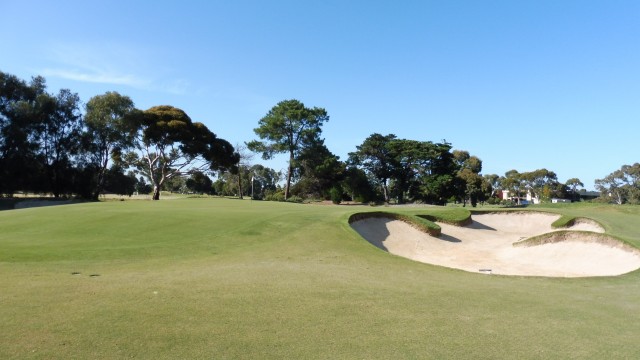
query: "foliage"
357, 186
621, 186
39, 137
419, 170
19, 128
198, 182
470, 185
108, 133
170, 145
374, 157
319, 171
286, 128
336, 195
117, 182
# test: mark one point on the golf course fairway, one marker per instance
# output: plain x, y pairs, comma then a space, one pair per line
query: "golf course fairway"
215, 278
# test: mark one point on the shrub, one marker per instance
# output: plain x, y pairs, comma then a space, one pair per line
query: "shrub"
276, 196
336, 195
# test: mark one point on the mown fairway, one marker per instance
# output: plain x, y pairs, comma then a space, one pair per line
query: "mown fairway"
221, 278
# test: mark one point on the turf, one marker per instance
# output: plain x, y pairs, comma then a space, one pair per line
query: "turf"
222, 278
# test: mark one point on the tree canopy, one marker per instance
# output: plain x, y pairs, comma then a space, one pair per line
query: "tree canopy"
622, 185
286, 128
420, 170
108, 132
169, 144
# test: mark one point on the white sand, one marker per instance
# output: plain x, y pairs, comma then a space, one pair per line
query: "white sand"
487, 244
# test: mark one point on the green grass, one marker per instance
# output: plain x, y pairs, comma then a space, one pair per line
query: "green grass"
222, 278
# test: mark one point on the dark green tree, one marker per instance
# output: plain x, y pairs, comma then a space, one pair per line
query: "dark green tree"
468, 179
107, 133
376, 158
318, 170
117, 182
264, 180
19, 122
200, 183
418, 170
169, 144
357, 185
573, 184
284, 129
59, 136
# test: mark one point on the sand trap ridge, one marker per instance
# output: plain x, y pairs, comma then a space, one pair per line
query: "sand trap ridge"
487, 244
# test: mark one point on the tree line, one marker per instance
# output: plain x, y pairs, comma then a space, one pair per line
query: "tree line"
47, 145
52, 144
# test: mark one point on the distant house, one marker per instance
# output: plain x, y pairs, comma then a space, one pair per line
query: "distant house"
532, 199
529, 199
557, 201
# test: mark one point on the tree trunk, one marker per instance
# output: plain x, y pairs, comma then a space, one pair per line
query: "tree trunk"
102, 173
385, 191
239, 185
289, 174
156, 192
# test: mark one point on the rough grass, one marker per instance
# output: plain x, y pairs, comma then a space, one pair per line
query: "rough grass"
219, 278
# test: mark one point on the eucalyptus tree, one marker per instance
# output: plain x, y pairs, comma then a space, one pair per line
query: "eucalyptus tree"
541, 183
241, 168
108, 133
263, 179
285, 128
469, 183
59, 135
622, 185
574, 184
169, 144
513, 183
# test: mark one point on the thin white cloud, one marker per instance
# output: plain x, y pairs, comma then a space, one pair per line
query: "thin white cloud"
99, 77
115, 64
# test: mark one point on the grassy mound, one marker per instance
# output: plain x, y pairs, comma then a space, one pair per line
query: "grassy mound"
583, 236
417, 222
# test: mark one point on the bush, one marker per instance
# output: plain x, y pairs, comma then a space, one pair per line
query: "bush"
336, 195
275, 196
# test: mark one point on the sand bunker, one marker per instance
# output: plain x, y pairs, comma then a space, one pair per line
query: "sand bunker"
486, 245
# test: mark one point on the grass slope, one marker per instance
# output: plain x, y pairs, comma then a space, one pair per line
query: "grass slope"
221, 278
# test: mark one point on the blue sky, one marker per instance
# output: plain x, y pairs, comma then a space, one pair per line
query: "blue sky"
521, 84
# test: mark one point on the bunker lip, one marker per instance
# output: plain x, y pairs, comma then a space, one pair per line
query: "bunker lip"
486, 245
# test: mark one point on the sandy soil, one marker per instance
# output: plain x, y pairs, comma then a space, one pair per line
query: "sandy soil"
486, 246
